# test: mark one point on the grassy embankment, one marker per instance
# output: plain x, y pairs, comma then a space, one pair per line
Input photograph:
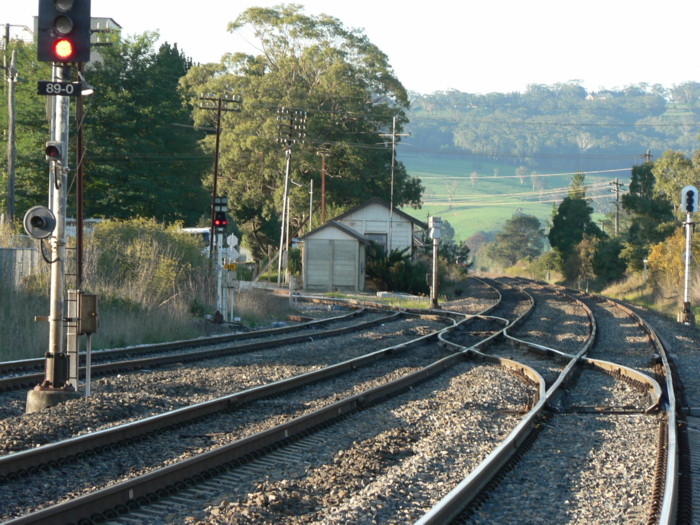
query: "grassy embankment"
490, 201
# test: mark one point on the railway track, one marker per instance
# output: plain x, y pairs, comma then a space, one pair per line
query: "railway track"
559, 449
120, 360
393, 430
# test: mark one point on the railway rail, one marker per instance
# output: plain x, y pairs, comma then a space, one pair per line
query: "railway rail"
148, 356
505, 485
439, 375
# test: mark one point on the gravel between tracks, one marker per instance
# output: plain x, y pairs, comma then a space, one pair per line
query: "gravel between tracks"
391, 463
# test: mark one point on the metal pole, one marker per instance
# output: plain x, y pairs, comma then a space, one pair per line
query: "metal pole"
88, 365
686, 315
216, 171
323, 188
391, 197
79, 189
11, 78
285, 212
688, 254
433, 290
56, 362
311, 202
617, 207
219, 273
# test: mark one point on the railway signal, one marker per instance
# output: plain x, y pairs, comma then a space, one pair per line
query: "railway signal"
689, 199
689, 204
53, 150
220, 221
63, 34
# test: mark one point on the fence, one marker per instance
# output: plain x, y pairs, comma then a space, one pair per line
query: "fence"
17, 263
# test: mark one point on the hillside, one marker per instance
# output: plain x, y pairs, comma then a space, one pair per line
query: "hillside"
483, 157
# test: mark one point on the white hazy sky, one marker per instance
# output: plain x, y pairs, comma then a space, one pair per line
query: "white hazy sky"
476, 46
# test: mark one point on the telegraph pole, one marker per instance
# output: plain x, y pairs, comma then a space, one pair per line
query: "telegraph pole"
393, 136
616, 190
218, 103
11, 80
323, 153
292, 128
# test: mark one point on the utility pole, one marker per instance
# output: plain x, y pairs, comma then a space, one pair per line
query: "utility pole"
311, 203
435, 224
11, 71
323, 153
393, 136
616, 190
292, 128
218, 103
647, 156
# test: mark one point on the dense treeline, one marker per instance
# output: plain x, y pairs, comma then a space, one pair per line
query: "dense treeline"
549, 127
150, 141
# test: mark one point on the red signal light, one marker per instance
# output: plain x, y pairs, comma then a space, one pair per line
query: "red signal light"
63, 49
53, 150
220, 219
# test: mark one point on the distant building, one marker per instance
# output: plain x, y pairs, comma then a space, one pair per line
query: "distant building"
334, 254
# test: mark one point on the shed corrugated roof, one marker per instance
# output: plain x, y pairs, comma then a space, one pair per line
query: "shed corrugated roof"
340, 226
382, 202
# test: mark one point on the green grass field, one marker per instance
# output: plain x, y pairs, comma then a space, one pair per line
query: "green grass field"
477, 195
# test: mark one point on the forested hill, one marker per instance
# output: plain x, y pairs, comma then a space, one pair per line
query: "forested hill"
558, 127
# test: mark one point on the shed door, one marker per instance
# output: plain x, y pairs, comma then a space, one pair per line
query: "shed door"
331, 264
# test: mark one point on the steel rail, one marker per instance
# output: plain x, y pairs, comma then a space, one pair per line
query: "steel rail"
112, 353
669, 504
19, 463
14, 382
667, 402
138, 491
459, 498
662, 398
162, 481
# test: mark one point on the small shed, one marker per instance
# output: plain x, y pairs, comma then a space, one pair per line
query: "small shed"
334, 258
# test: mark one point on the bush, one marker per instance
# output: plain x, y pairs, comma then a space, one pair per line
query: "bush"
148, 262
152, 281
396, 272
294, 261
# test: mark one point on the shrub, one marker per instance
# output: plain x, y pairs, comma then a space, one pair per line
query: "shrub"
149, 262
396, 272
294, 261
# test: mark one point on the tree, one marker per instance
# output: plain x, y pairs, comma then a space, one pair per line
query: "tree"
651, 216
673, 171
582, 259
572, 219
31, 132
541, 267
396, 271
571, 223
522, 238
350, 94
142, 157
608, 265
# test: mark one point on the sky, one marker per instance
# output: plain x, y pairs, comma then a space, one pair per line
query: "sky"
473, 46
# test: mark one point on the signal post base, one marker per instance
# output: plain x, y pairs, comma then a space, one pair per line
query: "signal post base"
42, 397
686, 316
